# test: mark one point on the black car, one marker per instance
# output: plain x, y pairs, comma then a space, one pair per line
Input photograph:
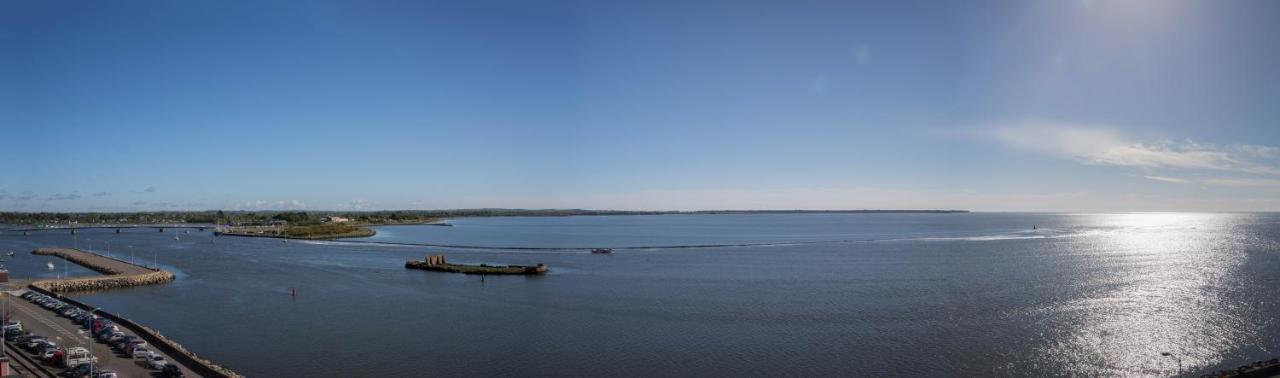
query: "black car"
81, 370
171, 371
125, 341
22, 339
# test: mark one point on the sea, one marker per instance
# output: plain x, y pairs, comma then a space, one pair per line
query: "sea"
829, 294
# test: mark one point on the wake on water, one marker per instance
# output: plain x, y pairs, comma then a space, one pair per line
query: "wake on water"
1022, 235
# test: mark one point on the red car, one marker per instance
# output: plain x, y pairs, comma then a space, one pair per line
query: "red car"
55, 358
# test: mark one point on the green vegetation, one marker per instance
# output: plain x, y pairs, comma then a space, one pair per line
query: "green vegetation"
327, 231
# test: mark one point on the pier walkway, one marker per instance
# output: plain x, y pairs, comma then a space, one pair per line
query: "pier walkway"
118, 273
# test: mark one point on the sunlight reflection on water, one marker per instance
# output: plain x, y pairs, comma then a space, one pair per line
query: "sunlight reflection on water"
1154, 284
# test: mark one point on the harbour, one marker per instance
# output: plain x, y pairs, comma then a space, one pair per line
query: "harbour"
792, 280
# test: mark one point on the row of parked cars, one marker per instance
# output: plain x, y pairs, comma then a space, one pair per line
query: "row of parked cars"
78, 361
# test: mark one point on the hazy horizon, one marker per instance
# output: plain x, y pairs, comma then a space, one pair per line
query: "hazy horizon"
1082, 106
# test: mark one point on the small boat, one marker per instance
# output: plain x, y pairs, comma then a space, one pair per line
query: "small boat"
50, 264
602, 250
175, 238
10, 253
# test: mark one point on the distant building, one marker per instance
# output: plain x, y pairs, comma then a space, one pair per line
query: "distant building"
337, 219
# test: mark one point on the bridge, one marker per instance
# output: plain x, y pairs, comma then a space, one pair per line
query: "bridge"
117, 227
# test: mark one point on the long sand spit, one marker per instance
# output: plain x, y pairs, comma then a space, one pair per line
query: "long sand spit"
117, 274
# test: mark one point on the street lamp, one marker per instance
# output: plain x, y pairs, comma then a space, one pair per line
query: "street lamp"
1175, 358
89, 339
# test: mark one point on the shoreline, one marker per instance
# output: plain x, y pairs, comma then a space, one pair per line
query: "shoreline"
363, 232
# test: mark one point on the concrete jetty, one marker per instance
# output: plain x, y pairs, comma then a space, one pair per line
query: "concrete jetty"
437, 263
117, 274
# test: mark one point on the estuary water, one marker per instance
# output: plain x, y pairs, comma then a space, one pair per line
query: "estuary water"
979, 294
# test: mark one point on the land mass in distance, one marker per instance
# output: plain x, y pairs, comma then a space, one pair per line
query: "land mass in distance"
380, 217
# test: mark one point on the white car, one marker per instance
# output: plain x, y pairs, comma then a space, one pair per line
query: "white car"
140, 351
77, 356
156, 362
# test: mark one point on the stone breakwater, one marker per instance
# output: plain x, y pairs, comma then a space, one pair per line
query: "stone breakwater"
118, 274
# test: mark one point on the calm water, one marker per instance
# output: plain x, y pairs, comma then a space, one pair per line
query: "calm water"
940, 294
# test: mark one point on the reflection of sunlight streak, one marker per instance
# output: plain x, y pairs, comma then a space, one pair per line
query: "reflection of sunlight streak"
1158, 286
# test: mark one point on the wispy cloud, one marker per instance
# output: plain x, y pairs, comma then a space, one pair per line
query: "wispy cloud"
101, 194
26, 195
150, 189
272, 205
359, 204
63, 197
1104, 146
1245, 182
1169, 179
899, 198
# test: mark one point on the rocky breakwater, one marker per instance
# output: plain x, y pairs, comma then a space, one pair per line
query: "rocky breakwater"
117, 274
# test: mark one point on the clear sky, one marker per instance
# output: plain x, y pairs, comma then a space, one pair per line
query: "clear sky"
983, 105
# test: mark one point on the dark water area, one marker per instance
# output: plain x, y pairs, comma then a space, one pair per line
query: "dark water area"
798, 294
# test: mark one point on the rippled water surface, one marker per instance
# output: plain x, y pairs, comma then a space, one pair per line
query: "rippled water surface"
850, 294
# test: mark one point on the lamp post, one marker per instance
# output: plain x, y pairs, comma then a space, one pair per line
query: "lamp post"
88, 342
1175, 358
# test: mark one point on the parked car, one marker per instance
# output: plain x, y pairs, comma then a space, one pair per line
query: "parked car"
106, 374
106, 337
156, 362
100, 325
124, 342
139, 351
78, 356
55, 357
11, 334
32, 342
78, 371
171, 371
45, 351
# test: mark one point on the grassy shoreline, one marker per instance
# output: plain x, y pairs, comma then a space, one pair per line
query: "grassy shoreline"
308, 232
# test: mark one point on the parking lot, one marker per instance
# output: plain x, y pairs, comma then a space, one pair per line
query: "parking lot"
68, 334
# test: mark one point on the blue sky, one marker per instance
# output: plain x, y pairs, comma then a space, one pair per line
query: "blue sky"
984, 105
